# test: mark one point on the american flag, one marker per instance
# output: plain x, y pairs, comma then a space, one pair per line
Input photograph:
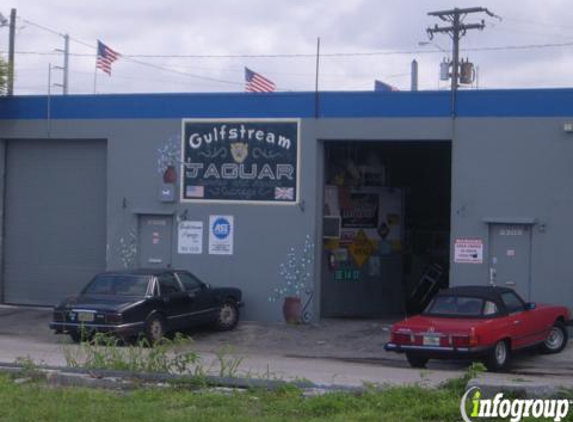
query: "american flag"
255, 82
105, 57
383, 86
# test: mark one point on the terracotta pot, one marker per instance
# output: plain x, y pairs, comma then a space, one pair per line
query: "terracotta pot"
292, 310
170, 175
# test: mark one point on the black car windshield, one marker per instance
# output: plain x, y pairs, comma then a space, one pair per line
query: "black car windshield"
456, 306
118, 285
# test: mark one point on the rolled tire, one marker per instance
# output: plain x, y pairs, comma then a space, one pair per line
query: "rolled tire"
416, 361
556, 339
228, 316
498, 357
155, 329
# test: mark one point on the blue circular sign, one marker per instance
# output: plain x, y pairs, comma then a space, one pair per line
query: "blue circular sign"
221, 228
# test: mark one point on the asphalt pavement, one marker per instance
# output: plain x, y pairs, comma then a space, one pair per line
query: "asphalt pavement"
332, 352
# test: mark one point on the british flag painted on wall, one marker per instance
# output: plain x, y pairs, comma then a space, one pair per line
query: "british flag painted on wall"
284, 194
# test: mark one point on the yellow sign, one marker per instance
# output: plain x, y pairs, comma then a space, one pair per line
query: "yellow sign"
362, 248
331, 244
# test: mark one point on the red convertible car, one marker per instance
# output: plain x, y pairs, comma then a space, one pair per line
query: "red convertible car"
479, 322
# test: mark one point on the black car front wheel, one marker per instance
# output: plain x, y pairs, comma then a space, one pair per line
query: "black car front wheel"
75, 336
155, 329
81, 335
228, 316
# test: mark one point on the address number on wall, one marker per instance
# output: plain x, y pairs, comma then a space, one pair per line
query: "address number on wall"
511, 232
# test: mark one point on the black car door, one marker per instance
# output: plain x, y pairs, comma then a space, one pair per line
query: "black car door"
176, 304
204, 306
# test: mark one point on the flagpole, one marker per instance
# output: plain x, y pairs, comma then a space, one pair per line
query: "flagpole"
95, 73
316, 97
95, 80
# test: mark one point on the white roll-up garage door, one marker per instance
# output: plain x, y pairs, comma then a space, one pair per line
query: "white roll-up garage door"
55, 228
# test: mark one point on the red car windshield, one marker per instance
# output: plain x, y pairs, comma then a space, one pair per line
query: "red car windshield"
457, 306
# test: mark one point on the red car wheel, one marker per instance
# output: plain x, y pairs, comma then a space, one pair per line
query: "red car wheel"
498, 357
557, 339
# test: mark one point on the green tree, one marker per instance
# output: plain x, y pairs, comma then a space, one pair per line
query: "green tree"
3, 76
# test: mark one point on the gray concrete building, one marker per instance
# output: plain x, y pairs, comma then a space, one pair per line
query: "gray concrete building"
344, 199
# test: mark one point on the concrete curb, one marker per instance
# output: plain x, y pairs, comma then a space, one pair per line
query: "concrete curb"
124, 380
490, 386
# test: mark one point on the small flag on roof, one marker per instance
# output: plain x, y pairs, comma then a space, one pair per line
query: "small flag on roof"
383, 86
255, 82
105, 57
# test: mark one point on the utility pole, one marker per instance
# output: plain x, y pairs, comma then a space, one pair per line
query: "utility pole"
66, 62
66, 67
456, 30
12, 42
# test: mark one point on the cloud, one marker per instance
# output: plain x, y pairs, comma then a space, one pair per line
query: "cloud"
226, 27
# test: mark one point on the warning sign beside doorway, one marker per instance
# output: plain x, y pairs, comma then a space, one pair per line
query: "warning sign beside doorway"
361, 248
468, 251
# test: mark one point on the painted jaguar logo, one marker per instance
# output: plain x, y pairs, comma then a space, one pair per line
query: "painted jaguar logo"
240, 151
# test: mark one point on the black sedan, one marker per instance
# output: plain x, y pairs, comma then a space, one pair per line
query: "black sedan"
146, 302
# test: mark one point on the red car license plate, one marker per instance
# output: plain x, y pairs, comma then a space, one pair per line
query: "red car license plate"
431, 340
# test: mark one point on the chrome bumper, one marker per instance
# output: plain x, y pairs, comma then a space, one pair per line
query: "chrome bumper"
130, 328
437, 350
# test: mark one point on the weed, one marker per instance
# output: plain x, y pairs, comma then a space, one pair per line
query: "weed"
29, 368
103, 352
228, 366
458, 385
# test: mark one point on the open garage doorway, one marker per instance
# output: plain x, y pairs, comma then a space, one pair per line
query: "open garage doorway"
386, 226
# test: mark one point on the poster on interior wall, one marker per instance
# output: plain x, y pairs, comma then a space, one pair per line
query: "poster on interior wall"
229, 160
331, 203
468, 251
221, 234
190, 237
378, 212
362, 212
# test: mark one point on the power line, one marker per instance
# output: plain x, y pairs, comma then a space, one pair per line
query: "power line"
538, 23
351, 54
519, 31
166, 69
130, 58
37, 25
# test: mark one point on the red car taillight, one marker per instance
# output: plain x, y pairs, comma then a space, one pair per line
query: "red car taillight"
401, 338
470, 340
474, 340
460, 341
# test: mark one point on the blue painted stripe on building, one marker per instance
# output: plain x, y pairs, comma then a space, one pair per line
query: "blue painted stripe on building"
483, 103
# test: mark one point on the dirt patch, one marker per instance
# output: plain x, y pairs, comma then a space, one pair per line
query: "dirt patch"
329, 338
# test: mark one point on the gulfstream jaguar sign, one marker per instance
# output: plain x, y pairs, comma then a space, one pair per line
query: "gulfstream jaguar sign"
240, 160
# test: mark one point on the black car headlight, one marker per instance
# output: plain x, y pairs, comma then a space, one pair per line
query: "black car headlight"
59, 316
113, 319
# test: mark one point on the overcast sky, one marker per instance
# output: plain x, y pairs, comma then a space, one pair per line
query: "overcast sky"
518, 51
